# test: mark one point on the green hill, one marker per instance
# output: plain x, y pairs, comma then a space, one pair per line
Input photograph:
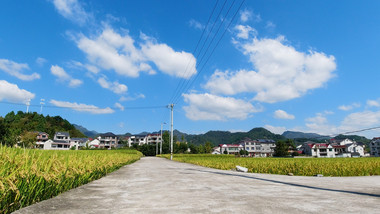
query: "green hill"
226, 137
23, 126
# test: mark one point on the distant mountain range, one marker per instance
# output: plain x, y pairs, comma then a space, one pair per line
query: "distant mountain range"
295, 135
85, 131
226, 137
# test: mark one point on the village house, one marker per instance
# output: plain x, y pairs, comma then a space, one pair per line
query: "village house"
150, 139
78, 142
374, 145
319, 150
108, 140
230, 148
259, 148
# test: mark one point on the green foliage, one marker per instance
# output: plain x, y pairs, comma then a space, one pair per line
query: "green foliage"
284, 166
225, 137
29, 176
18, 127
243, 152
282, 147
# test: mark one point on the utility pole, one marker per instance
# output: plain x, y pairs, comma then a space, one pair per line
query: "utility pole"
162, 139
27, 105
157, 147
171, 136
42, 103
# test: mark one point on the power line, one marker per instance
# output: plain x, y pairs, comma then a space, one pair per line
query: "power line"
181, 83
84, 108
209, 56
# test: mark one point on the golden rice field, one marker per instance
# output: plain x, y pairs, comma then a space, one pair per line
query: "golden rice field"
28, 176
284, 166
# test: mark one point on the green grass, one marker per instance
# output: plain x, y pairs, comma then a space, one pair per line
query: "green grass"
28, 176
284, 166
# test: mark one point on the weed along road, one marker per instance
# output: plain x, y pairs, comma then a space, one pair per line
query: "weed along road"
157, 185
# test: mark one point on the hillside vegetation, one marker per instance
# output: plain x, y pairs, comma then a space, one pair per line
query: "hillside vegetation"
23, 127
226, 137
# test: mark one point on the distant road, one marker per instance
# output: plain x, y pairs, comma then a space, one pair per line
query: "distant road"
155, 185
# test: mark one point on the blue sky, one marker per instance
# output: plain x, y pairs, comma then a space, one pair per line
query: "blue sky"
308, 66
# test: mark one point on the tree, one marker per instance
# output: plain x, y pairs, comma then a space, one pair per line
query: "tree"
208, 147
243, 152
281, 149
193, 149
28, 139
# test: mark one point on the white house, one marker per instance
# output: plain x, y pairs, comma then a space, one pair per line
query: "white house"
319, 150
230, 148
108, 140
78, 142
216, 151
259, 148
355, 148
94, 144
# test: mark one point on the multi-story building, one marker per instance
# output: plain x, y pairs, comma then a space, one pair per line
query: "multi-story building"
108, 140
153, 139
144, 139
230, 148
42, 137
61, 141
78, 142
137, 139
259, 148
63, 136
374, 145
319, 150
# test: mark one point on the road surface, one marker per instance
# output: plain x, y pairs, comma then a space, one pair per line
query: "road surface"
156, 185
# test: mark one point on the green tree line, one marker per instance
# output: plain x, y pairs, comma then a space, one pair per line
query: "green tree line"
22, 128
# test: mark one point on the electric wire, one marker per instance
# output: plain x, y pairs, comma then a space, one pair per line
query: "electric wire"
180, 84
213, 50
83, 108
178, 95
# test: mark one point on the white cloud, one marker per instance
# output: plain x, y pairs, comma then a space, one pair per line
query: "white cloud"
195, 24
360, 120
349, 107
373, 103
270, 25
281, 114
82, 107
62, 76
72, 10
179, 64
319, 124
211, 107
115, 86
275, 129
131, 98
16, 69
78, 65
283, 73
247, 15
245, 31
112, 51
119, 106
13, 93
41, 61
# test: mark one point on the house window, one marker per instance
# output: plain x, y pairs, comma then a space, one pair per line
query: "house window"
247, 148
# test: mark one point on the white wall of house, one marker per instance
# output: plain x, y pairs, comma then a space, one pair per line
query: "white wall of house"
356, 148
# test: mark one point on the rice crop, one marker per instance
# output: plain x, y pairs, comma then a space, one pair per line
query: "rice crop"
284, 166
28, 176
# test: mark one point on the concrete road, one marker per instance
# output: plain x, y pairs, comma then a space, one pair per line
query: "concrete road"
155, 185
